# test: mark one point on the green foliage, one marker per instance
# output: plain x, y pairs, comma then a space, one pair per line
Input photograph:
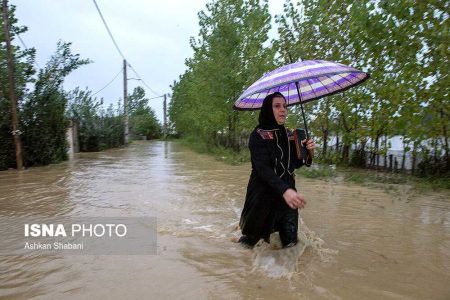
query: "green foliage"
44, 125
43, 114
41, 111
142, 120
358, 158
229, 54
23, 67
98, 129
403, 45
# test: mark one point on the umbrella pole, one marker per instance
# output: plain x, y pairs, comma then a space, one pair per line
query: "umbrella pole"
303, 112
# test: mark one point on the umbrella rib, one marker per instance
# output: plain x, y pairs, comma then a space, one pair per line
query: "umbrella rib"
328, 91
345, 80
312, 89
268, 91
256, 99
288, 94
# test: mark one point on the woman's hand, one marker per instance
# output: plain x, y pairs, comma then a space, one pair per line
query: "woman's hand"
293, 199
310, 144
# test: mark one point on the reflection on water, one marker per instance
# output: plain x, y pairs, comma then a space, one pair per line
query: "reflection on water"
356, 242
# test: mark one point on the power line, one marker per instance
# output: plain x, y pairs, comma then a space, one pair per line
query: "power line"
108, 83
26, 48
118, 49
136, 73
155, 97
109, 31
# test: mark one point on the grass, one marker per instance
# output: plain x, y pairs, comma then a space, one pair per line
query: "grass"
321, 172
387, 180
218, 152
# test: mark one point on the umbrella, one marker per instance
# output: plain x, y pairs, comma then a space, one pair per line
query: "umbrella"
301, 82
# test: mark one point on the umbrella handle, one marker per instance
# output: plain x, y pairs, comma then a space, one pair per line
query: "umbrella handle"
303, 154
303, 111
310, 156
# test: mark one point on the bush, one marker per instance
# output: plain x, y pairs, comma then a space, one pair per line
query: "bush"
358, 158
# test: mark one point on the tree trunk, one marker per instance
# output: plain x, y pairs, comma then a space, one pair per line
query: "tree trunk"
403, 155
385, 152
436, 156
445, 134
447, 157
236, 134
377, 157
325, 129
371, 156
337, 143
325, 143
346, 146
345, 153
414, 157
363, 150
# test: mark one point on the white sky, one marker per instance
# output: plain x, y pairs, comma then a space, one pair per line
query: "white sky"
152, 34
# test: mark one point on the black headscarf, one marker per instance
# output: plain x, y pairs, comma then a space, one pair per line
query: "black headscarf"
267, 121
266, 118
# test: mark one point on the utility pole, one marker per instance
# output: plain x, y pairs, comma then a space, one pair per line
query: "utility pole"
12, 89
165, 117
125, 102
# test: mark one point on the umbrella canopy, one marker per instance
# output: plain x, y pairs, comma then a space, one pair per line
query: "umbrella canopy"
301, 82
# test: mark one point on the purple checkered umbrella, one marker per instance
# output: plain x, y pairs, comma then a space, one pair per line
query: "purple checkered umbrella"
301, 82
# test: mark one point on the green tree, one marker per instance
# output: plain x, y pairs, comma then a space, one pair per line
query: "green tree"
43, 113
98, 128
23, 62
403, 45
83, 109
143, 119
229, 54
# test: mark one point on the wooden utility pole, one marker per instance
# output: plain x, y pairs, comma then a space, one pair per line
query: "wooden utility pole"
12, 89
125, 102
165, 116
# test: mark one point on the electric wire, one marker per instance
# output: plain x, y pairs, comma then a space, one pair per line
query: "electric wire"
112, 80
155, 97
140, 78
109, 31
118, 49
26, 48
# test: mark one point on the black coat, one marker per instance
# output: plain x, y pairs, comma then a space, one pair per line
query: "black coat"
273, 164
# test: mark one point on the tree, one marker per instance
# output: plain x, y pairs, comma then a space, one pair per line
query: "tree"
403, 45
23, 62
143, 119
229, 54
43, 115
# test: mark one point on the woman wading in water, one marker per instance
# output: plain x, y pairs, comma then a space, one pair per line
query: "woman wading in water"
272, 202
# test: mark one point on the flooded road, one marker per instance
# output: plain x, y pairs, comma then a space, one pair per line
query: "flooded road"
357, 242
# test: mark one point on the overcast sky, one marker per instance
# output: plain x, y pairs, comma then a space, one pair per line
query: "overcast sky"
152, 34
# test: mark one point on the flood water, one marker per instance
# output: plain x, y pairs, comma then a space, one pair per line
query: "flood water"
357, 242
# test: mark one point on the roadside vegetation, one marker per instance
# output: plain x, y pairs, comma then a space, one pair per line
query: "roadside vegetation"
45, 108
389, 180
402, 44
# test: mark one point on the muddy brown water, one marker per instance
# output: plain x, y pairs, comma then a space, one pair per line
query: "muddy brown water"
357, 242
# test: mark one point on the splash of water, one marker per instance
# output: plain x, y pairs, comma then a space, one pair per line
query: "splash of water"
276, 262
